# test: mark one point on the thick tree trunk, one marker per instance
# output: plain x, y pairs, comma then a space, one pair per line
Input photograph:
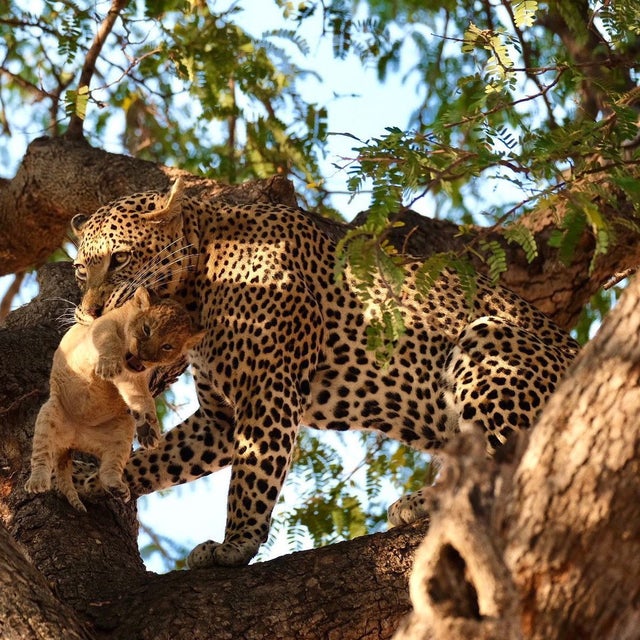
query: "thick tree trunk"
572, 523
29, 610
549, 545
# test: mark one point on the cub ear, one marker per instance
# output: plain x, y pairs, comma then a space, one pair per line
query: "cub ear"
142, 299
172, 205
194, 339
77, 222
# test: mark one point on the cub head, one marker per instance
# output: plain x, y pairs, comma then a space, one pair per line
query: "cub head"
157, 333
136, 240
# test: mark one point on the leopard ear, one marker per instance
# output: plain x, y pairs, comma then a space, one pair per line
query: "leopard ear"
142, 299
77, 222
172, 205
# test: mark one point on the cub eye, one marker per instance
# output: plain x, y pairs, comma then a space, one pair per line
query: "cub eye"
167, 347
146, 330
80, 271
118, 260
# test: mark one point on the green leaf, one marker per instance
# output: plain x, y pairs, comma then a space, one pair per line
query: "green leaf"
566, 238
496, 259
601, 232
524, 13
522, 236
468, 279
76, 102
430, 271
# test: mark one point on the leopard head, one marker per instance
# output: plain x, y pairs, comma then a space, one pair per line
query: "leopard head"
157, 333
133, 241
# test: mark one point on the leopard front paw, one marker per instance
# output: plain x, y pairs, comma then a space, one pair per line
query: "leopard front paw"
226, 554
108, 367
90, 487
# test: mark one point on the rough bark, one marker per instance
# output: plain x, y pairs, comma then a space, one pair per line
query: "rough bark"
546, 546
572, 523
60, 177
28, 608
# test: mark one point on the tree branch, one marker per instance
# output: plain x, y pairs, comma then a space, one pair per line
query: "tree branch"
60, 177
88, 68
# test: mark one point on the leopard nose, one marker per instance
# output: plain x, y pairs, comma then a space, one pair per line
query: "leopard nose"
94, 310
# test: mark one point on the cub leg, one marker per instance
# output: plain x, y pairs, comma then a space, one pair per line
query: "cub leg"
108, 339
44, 449
114, 455
135, 393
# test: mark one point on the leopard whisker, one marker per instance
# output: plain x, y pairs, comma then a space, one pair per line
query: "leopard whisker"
150, 282
142, 276
73, 304
159, 277
66, 318
149, 275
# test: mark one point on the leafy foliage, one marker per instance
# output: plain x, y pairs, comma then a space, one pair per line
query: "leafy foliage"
524, 13
185, 85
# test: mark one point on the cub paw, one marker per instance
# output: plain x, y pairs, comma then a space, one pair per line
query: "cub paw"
108, 368
148, 436
38, 483
226, 554
117, 488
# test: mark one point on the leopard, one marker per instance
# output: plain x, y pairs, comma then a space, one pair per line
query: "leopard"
99, 393
286, 346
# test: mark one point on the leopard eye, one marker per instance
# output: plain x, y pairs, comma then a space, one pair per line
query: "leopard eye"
80, 271
167, 347
146, 329
118, 260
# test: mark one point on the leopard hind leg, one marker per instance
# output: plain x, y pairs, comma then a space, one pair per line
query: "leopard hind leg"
499, 376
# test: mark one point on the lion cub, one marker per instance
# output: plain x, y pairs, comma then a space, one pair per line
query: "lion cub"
100, 392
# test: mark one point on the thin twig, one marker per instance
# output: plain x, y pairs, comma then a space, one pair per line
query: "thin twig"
618, 277
89, 67
157, 541
10, 294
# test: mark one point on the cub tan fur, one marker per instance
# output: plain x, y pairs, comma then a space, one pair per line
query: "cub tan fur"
100, 392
